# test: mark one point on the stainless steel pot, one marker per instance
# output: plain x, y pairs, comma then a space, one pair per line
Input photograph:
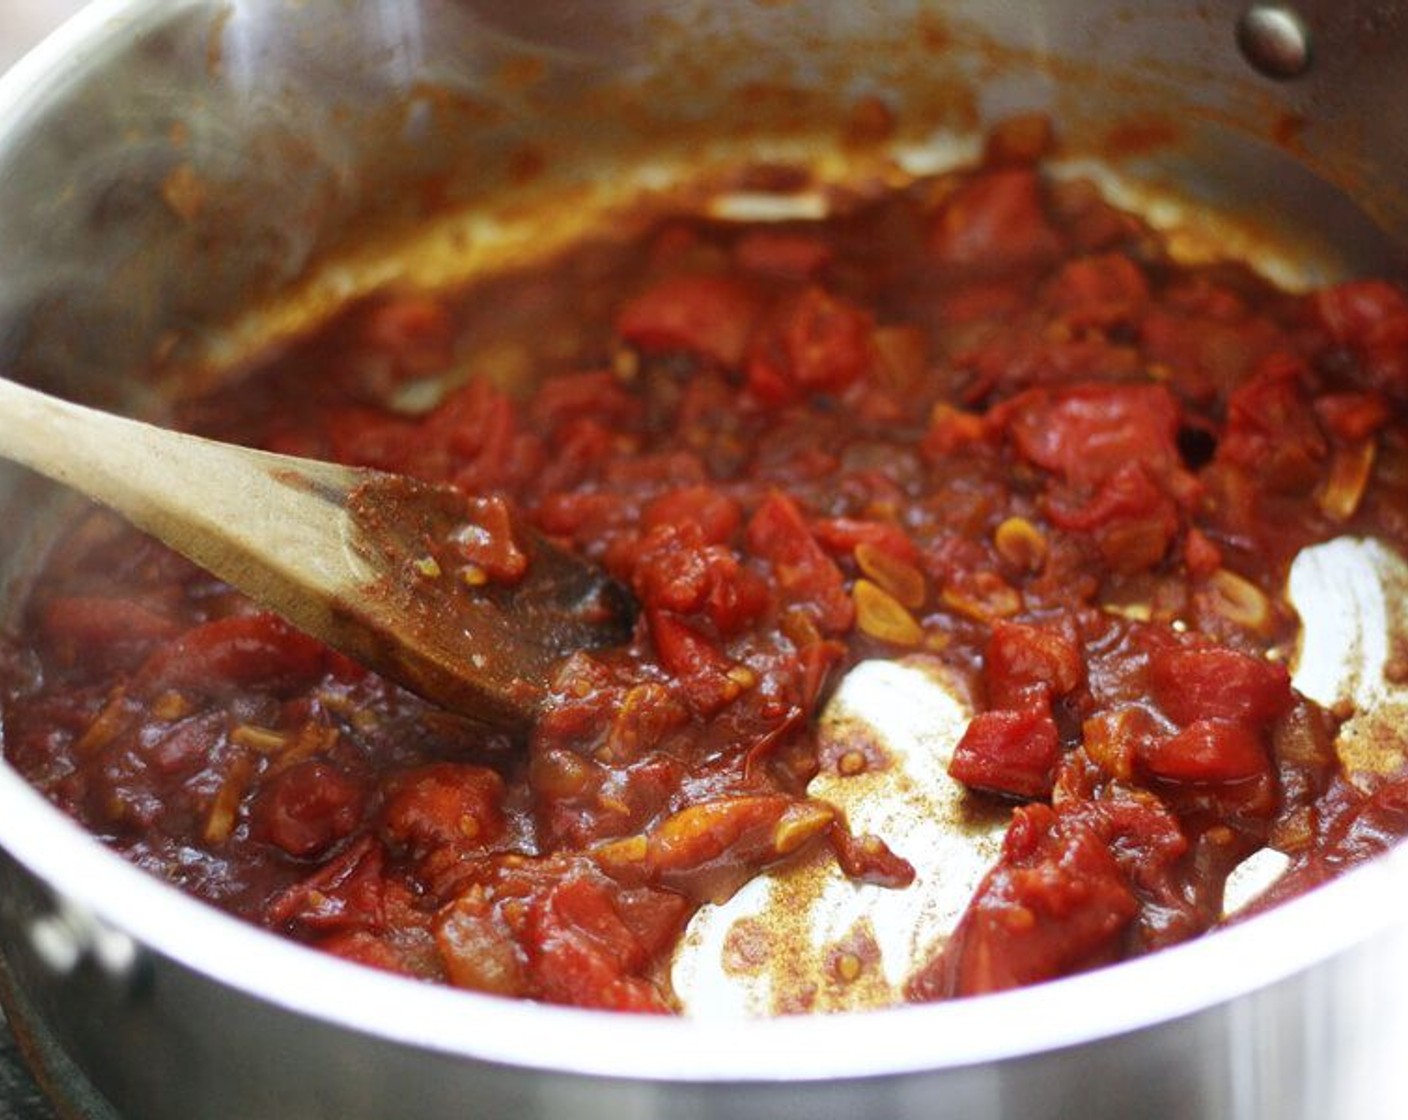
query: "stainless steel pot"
180, 177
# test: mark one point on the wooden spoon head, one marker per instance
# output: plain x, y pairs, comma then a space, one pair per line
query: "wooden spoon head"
479, 608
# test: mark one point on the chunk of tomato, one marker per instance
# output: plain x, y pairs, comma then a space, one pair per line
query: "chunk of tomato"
710, 316
253, 651
1218, 683
1088, 432
814, 343
1013, 752
308, 808
997, 219
444, 805
1021, 661
1208, 751
1056, 903
804, 574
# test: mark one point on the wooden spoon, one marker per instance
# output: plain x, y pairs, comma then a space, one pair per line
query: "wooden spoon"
363, 560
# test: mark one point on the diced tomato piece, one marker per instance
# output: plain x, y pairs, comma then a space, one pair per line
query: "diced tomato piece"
952, 431
444, 805
556, 929
654, 917
478, 948
1088, 432
1057, 903
995, 220
369, 949
1200, 555
113, 632
584, 694
699, 664
706, 315
189, 744
415, 332
675, 571
479, 426
672, 569
782, 252
1132, 519
588, 909
1208, 751
1180, 897
1127, 495
308, 808
1143, 835
253, 651
717, 515
814, 343
347, 893
1098, 291
1114, 738
768, 379
1023, 661
596, 393
1272, 430
583, 954
1362, 313
647, 714
1219, 684
1352, 417
827, 341
1212, 339
1010, 752
737, 597
843, 535
868, 859
486, 541
804, 574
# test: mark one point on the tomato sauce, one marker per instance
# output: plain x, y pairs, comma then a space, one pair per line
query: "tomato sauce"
984, 419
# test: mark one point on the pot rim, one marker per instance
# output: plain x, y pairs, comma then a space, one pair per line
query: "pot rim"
64, 49
1181, 981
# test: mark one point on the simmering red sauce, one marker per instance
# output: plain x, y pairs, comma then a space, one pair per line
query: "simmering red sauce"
984, 419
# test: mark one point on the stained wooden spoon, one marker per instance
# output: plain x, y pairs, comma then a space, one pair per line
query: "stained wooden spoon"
371, 563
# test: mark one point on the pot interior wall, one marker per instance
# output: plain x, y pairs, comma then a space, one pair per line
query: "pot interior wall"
186, 161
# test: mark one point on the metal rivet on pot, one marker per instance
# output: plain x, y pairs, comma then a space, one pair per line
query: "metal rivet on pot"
66, 938
1275, 40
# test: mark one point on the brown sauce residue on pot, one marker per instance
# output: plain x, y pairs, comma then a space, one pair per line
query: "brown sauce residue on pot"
1139, 136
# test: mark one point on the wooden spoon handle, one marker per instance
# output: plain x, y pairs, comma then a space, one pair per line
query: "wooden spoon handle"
342, 553
273, 525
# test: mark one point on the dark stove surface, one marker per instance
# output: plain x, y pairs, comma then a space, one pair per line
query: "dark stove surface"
38, 1081
20, 1095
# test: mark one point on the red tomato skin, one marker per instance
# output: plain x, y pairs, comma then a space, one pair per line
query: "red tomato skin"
1012, 752
707, 315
